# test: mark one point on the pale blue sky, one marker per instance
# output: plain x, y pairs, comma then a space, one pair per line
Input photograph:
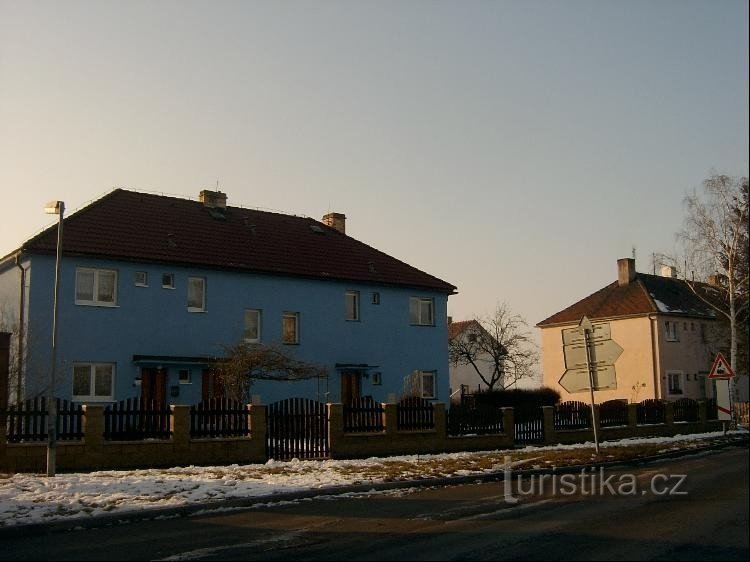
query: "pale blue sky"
514, 149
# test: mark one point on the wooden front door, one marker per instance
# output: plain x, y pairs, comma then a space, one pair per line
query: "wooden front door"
211, 385
350, 386
154, 385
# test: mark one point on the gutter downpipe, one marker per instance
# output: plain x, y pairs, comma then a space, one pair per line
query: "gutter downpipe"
21, 326
654, 355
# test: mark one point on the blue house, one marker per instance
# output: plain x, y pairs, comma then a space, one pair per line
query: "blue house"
153, 288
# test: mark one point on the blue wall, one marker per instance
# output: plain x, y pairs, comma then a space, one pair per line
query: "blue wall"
155, 321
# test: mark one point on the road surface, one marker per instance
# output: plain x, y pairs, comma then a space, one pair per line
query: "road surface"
705, 519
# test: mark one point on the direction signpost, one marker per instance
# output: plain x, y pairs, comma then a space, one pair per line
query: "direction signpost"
590, 354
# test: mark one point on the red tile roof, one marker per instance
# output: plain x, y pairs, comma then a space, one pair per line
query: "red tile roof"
647, 294
455, 328
153, 228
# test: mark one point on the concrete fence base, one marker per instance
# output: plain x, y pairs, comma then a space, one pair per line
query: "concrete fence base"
96, 453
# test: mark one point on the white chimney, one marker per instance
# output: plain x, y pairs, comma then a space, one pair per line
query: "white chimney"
668, 271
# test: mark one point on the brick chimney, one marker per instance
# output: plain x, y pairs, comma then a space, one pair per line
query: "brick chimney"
336, 220
213, 199
625, 271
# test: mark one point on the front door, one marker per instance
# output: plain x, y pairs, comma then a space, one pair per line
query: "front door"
212, 387
154, 385
350, 386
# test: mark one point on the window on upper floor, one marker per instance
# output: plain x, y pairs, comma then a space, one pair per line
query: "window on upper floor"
674, 383
351, 299
93, 382
421, 311
290, 327
196, 299
141, 278
252, 325
97, 287
376, 298
670, 331
167, 280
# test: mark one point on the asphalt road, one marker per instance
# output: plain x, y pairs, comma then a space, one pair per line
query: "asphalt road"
623, 514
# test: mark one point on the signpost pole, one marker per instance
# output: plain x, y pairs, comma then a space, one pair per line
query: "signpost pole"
586, 332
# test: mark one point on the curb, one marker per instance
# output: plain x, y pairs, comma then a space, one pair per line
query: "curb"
77, 524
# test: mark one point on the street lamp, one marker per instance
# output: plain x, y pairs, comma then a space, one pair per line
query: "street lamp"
54, 208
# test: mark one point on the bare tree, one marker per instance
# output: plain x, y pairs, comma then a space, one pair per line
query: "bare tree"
247, 362
715, 238
499, 347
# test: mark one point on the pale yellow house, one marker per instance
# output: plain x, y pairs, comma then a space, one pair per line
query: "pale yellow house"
668, 335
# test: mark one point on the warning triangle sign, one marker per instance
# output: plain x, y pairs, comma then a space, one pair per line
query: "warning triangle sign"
720, 368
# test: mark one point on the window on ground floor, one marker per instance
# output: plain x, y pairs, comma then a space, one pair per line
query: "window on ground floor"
93, 382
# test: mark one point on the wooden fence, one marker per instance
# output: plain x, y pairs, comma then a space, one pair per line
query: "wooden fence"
27, 421
415, 413
572, 415
364, 415
219, 417
135, 419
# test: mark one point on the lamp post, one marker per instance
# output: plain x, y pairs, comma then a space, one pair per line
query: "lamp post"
54, 208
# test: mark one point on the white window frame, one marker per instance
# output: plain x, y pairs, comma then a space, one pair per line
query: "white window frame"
258, 319
670, 331
92, 396
416, 311
143, 280
202, 307
188, 380
169, 285
97, 273
422, 387
376, 297
677, 390
287, 316
354, 295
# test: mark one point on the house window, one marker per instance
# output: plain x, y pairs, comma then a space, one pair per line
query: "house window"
141, 279
290, 327
376, 298
352, 305
184, 376
377, 378
96, 286
421, 311
427, 383
196, 301
93, 382
674, 383
670, 330
252, 326
167, 280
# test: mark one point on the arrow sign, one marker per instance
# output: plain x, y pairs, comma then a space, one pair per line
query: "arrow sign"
577, 380
576, 335
603, 352
720, 369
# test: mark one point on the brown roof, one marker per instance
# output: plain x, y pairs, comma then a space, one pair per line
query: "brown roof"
154, 228
647, 294
455, 328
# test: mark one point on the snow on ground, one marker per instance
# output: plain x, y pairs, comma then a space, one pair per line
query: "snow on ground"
31, 498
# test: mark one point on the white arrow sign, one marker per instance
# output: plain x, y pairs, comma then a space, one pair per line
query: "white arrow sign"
577, 380
602, 352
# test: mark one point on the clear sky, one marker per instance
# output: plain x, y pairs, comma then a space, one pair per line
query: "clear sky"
514, 149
